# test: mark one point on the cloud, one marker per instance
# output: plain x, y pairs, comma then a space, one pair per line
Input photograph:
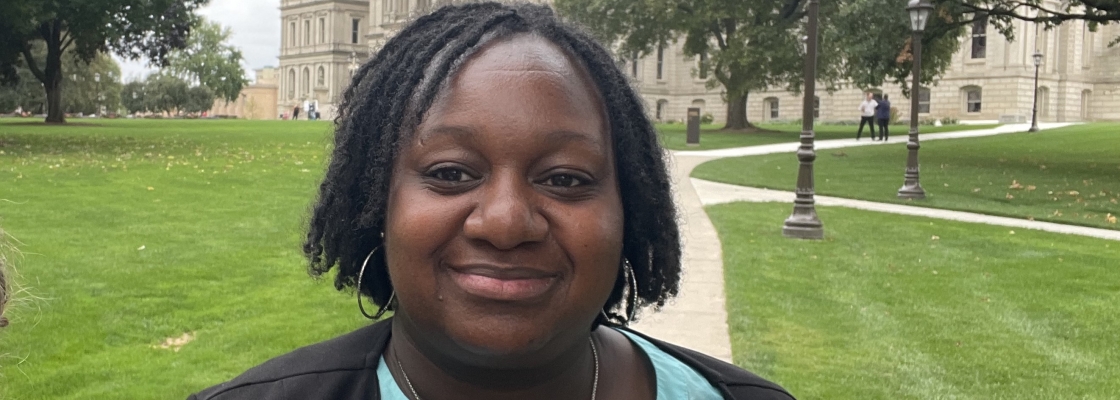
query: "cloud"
256, 31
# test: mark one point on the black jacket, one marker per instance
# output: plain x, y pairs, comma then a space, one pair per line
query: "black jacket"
345, 368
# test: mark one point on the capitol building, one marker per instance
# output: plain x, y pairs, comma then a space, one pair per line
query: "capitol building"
991, 79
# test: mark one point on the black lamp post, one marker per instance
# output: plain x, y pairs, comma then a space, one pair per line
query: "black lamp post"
804, 223
919, 15
97, 78
1037, 58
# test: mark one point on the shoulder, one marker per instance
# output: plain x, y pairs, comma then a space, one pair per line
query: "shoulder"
314, 371
739, 383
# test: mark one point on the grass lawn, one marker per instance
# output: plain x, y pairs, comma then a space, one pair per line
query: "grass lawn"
673, 136
1069, 175
894, 307
133, 232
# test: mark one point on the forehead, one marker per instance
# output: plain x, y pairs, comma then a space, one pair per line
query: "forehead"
521, 76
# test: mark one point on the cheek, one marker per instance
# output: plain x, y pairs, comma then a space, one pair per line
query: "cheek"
419, 224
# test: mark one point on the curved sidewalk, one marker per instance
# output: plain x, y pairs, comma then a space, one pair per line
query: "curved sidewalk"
697, 318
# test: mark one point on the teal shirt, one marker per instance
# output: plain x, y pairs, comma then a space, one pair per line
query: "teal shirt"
685, 384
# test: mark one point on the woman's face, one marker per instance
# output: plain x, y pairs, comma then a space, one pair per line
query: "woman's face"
504, 231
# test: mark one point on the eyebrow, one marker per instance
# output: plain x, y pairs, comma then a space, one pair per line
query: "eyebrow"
468, 133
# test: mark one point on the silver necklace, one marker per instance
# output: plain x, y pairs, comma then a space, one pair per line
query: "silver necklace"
594, 383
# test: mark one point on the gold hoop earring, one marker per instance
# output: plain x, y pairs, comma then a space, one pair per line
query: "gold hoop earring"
361, 273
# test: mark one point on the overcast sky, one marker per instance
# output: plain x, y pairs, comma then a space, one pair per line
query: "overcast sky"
256, 31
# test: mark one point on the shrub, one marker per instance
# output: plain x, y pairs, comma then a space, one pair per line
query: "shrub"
707, 118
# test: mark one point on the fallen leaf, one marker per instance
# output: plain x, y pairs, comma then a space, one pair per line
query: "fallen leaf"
1111, 218
1074, 193
1009, 196
141, 248
175, 344
1015, 185
935, 237
151, 188
975, 190
1031, 188
1012, 233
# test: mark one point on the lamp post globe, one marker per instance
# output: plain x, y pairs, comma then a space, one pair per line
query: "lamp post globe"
919, 11
1037, 58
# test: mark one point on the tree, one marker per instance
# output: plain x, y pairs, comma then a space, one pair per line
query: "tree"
752, 45
133, 97
165, 93
133, 29
198, 99
86, 89
209, 60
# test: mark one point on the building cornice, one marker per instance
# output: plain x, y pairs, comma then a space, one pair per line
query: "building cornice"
313, 3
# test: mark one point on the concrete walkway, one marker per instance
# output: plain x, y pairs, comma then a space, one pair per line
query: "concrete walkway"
718, 193
697, 318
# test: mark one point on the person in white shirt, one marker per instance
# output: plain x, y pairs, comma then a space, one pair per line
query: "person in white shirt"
867, 115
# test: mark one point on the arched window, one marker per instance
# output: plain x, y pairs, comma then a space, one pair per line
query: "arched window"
661, 106
321, 79
306, 88
291, 83
773, 108
973, 99
699, 103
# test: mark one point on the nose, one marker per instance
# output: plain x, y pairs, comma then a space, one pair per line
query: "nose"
505, 215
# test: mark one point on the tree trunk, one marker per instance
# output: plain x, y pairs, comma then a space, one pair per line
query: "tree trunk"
737, 112
52, 74
53, 86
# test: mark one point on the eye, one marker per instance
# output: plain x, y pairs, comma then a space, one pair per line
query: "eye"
449, 174
564, 180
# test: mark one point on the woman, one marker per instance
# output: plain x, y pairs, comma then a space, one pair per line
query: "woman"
496, 184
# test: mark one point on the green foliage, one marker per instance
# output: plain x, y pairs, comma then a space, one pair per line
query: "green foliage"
707, 118
899, 307
199, 99
210, 60
90, 88
133, 97
165, 93
133, 29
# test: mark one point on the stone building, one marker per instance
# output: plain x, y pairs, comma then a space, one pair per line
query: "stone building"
991, 79
324, 40
257, 101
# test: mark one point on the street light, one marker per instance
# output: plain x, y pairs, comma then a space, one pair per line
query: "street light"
1034, 112
804, 223
919, 15
97, 78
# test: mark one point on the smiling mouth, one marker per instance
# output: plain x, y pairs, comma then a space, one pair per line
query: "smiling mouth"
503, 283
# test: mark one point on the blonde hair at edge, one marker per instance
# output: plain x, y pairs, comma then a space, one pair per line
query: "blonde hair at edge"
4, 289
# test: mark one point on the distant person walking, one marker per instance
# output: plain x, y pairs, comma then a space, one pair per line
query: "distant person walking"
295, 113
867, 115
883, 114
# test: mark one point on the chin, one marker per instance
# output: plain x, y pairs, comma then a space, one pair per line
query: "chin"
508, 340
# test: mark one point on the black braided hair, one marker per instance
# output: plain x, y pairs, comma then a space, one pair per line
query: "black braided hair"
388, 97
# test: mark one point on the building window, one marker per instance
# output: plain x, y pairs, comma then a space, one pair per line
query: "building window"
980, 37
322, 30
306, 89
923, 101
773, 108
1087, 47
291, 83
816, 107
306, 32
703, 65
355, 29
321, 79
634, 65
661, 104
973, 100
660, 61
1044, 102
